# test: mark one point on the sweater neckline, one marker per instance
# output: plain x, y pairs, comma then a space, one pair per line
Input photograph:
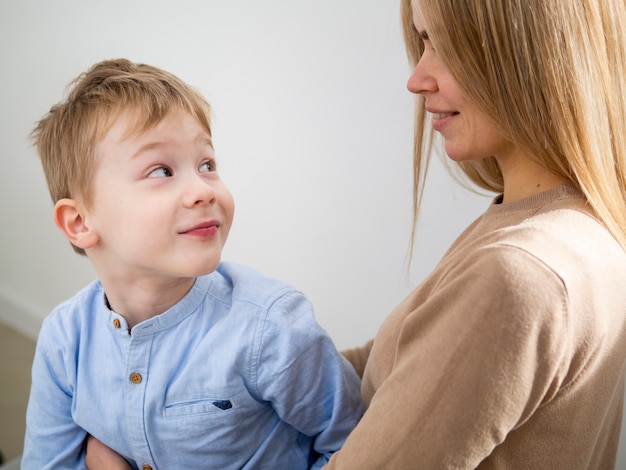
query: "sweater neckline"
534, 201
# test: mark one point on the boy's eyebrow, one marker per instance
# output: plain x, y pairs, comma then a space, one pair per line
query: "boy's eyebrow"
160, 143
146, 147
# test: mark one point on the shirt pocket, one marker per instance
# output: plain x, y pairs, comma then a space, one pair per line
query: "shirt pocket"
197, 407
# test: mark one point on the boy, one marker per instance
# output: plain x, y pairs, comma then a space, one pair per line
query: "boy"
171, 358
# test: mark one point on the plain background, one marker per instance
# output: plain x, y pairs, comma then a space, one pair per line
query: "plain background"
313, 135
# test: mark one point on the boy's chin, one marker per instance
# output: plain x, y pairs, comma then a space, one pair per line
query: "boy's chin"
208, 267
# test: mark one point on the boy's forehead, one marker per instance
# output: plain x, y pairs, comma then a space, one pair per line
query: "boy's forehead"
132, 123
129, 128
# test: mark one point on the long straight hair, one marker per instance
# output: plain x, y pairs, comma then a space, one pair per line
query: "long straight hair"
550, 74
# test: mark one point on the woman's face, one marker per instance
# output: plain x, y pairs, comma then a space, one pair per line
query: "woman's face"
468, 134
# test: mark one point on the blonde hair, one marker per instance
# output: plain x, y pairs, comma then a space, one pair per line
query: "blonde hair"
551, 74
66, 137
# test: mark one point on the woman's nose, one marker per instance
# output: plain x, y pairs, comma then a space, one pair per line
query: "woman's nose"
422, 79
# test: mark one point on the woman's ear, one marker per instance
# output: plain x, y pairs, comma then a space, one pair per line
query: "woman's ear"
70, 220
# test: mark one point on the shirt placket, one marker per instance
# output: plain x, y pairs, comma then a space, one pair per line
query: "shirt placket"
136, 389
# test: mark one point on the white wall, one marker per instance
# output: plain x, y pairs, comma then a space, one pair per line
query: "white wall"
312, 132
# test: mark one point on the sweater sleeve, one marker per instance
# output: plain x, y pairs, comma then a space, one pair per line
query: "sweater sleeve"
472, 362
358, 356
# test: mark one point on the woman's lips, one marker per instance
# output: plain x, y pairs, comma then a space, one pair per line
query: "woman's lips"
441, 120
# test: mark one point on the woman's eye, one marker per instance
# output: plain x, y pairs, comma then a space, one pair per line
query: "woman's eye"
160, 172
208, 166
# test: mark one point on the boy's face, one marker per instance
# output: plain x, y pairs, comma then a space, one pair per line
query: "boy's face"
159, 207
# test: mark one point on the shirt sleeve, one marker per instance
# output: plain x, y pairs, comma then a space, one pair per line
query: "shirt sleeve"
310, 385
472, 362
53, 440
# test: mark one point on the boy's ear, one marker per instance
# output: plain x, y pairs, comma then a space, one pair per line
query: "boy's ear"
70, 220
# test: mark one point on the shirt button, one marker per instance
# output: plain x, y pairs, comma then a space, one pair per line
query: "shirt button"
135, 378
116, 323
146, 467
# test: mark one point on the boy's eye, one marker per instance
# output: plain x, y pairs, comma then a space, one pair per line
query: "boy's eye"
208, 166
160, 172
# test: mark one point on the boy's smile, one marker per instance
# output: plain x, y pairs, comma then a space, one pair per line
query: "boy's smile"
160, 211
203, 229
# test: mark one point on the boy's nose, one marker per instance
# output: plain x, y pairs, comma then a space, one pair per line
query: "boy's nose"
198, 191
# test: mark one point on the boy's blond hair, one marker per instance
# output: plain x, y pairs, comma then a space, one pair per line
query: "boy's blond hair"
67, 136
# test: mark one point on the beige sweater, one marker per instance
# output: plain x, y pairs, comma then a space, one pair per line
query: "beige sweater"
510, 355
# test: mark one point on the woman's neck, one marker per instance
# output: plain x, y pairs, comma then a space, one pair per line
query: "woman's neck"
524, 178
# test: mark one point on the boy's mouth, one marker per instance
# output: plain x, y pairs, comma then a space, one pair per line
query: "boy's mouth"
203, 229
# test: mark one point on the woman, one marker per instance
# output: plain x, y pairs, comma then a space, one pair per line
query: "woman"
511, 354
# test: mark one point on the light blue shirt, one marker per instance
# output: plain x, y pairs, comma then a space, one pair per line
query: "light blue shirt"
238, 374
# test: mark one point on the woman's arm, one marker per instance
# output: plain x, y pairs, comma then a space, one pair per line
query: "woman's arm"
100, 457
470, 362
358, 357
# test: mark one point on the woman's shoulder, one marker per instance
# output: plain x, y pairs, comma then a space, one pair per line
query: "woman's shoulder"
564, 236
557, 228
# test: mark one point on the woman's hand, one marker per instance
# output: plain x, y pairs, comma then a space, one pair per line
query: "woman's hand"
100, 457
